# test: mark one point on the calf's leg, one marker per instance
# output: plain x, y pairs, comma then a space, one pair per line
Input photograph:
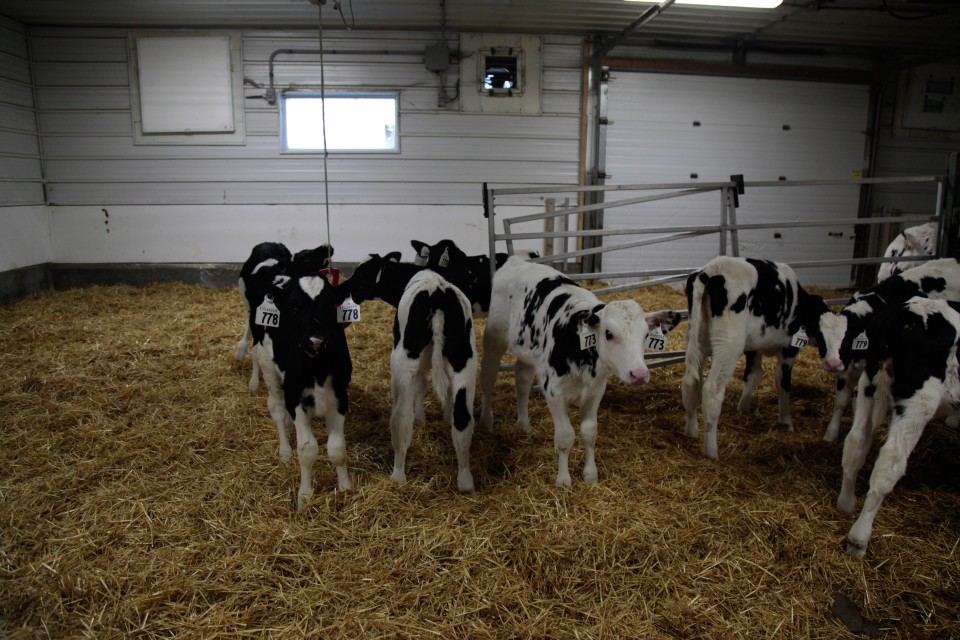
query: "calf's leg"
752, 372
563, 437
903, 435
845, 384
307, 449
785, 360
337, 445
523, 373
401, 419
857, 444
588, 431
494, 346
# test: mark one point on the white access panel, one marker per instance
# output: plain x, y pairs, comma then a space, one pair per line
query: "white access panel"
696, 129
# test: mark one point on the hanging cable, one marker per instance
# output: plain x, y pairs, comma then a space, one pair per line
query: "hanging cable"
323, 124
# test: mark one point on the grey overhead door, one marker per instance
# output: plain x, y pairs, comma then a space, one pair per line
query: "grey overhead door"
683, 128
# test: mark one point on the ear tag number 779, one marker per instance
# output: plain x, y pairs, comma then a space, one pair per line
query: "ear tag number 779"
800, 339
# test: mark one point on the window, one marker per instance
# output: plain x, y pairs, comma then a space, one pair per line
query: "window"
356, 122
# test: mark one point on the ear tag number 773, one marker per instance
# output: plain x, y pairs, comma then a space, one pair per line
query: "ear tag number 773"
588, 339
656, 340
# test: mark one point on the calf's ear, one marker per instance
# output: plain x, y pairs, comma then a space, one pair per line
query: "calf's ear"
666, 319
393, 256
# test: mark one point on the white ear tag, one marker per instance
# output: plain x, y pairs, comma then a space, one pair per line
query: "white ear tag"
800, 339
656, 340
349, 311
444, 259
588, 339
861, 342
267, 313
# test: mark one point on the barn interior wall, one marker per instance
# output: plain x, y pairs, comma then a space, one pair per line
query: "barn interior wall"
115, 202
25, 240
78, 191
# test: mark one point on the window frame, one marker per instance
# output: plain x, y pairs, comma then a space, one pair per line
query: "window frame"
392, 95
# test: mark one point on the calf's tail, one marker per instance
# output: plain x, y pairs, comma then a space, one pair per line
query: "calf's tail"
441, 376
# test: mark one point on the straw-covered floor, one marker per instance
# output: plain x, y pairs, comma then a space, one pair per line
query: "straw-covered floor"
142, 496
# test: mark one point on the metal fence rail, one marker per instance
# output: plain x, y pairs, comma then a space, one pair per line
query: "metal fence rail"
727, 228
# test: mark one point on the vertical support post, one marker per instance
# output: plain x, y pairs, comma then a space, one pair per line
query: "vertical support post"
564, 226
549, 206
491, 228
733, 201
724, 197
950, 208
600, 77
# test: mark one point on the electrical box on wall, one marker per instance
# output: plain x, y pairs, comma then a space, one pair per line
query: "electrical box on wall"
500, 73
928, 102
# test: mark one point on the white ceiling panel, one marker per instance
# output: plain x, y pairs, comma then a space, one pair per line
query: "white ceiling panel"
930, 27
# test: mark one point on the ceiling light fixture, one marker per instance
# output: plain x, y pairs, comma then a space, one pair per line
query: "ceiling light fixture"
744, 4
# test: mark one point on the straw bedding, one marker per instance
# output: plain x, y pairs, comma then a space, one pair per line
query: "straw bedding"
142, 496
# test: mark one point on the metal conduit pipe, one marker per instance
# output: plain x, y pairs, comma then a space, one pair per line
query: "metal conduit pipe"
271, 93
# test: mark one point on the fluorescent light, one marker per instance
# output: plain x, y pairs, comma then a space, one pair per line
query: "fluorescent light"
748, 4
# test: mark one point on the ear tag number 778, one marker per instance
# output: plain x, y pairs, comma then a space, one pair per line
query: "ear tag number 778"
267, 313
349, 311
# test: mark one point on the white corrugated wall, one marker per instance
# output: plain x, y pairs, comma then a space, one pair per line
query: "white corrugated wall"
25, 239
696, 129
113, 201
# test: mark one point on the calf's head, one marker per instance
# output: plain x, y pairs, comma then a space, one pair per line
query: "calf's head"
308, 312
366, 283
312, 260
621, 330
840, 333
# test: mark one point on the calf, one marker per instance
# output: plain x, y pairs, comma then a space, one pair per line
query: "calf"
382, 278
306, 367
845, 347
747, 306
433, 329
918, 340
471, 274
912, 241
571, 340
267, 261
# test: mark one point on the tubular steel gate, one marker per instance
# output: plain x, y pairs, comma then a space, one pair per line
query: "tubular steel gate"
727, 228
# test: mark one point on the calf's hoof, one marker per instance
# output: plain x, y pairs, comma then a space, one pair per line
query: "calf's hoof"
564, 480
303, 499
465, 482
399, 476
285, 454
590, 476
856, 549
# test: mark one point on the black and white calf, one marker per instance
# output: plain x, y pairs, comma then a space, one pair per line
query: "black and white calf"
845, 344
471, 274
381, 277
267, 261
571, 341
433, 329
912, 241
918, 341
306, 367
747, 306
